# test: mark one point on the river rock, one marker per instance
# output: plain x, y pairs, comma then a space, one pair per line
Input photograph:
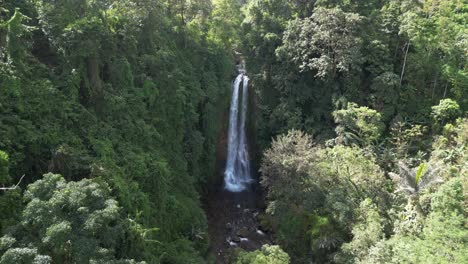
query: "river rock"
243, 232
260, 232
236, 240
262, 229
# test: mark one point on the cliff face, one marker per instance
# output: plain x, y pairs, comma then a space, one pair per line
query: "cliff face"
254, 149
221, 150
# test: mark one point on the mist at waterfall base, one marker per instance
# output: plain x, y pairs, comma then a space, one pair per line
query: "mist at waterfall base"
237, 175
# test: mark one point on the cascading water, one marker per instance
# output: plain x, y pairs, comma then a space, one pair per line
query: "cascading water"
231, 212
237, 175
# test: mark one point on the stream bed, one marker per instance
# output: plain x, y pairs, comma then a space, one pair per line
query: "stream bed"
233, 223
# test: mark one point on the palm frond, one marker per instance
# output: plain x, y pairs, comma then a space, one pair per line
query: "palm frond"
413, 181
420, 172
430, 177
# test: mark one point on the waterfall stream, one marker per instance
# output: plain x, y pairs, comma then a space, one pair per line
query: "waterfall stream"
237, 175
233, 212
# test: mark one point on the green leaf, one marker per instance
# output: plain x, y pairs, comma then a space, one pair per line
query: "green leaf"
420, 172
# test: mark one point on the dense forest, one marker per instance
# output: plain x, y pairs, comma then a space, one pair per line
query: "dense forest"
111, 114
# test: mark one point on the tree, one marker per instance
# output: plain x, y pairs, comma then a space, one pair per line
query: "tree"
285, 168
348, 175
264, 25
4, 176
367, 231
226, 31
66, 222
267, 255
290, 189
327, 42
449, 149
9, 196
413, 182
442, 238
447, 111
21, 255
188, 10
357, 125
384, 98
317, 191
15, 43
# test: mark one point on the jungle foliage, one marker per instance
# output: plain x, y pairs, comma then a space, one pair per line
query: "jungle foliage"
123, 99
362, 119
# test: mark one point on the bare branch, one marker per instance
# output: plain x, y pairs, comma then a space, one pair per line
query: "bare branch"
14, 186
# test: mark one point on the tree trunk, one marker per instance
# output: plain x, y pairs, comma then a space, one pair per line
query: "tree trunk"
445, 91
93, 76
404, 63
434, 87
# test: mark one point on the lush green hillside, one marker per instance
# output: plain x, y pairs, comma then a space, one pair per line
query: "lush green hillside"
379, 172
125, 93
112, 110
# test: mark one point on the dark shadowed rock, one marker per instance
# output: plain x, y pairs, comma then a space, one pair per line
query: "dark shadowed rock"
243, 232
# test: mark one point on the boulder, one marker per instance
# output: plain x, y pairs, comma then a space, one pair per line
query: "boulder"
243, 232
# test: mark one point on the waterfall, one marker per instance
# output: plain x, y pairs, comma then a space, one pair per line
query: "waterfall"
237, 175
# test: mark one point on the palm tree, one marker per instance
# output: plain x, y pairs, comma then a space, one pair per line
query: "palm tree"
414, 181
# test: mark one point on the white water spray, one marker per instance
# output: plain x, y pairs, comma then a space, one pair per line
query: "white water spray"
237, 175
